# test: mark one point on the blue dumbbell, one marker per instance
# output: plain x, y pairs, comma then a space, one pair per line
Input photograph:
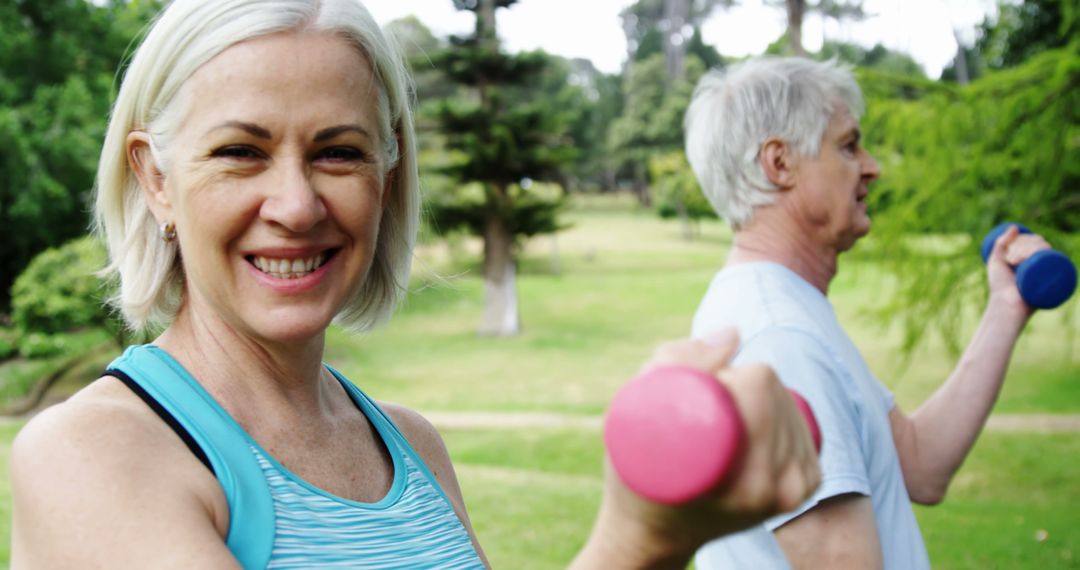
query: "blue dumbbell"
1046, 279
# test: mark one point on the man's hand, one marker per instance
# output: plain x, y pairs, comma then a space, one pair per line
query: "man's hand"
1010, 250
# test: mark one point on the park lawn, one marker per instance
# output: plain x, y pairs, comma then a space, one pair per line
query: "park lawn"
1012, 489
7, 434
17, 375
532, 495
627, 282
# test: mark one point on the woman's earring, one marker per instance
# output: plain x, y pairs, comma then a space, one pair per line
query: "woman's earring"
168, 232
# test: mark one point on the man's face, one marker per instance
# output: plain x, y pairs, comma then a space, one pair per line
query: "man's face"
833, 186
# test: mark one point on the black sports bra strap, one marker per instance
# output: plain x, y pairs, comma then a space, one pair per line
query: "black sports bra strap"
164, 415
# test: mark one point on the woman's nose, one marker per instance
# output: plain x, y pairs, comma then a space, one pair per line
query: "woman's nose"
294, 203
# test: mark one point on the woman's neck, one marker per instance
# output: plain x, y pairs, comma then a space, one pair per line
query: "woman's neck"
256, 380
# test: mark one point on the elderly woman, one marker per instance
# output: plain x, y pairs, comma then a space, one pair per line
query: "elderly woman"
258, 181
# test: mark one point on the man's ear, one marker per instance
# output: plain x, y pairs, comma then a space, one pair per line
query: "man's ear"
151, 178
778, 162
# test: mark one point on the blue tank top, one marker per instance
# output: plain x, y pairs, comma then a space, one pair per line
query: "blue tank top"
277, 520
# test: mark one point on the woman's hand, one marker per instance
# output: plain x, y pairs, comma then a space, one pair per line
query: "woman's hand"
779, 470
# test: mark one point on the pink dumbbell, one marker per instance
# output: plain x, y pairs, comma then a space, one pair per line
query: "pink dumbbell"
674, 433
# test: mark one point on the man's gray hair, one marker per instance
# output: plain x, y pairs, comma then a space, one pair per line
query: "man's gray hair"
735, 110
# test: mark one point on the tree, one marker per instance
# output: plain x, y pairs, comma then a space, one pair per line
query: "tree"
957, 160
878, 58
1018, 32
651, 122
58, 59
678, 193
668, 56
666, 26
418, 45
1025, 29
589, 100
796, 12
504, 140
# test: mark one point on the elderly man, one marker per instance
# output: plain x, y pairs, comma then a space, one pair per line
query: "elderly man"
775, 144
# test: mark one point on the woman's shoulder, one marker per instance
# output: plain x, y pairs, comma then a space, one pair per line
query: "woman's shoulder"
91, 417
418, 430
99, 470
103, 434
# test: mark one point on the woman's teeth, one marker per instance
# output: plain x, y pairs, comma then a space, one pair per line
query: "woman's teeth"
288, 268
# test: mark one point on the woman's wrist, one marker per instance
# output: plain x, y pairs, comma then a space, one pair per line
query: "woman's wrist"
626, 538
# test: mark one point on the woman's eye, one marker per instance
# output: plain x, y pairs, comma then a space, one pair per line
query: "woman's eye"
341, 154
237, 151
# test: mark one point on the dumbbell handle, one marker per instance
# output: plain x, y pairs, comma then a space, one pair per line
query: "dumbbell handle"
674, 433
1046, 279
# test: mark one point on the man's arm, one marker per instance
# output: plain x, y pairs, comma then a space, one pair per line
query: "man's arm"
837, 533
933, 442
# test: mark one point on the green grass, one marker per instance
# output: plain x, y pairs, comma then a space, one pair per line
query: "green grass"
7, 434
532, 495
1011, 488
19, 375
622, 282
627, 283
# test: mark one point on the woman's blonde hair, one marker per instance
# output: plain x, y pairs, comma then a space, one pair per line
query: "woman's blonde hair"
186, 35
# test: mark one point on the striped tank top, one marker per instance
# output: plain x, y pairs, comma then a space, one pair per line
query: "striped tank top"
277, 520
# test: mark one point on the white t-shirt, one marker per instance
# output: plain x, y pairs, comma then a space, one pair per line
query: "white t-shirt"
786, 323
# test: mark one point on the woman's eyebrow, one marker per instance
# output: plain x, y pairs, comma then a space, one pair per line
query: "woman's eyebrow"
331, 132
250, 128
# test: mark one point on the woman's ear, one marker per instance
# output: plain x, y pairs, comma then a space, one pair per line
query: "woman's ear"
778, 162
151, 178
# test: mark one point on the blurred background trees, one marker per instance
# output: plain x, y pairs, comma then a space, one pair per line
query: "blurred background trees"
58, 59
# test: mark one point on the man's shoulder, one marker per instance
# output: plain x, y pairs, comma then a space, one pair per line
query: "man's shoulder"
758, 298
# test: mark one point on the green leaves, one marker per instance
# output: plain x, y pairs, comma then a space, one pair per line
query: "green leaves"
676, 188
59, 291
58, 59
958, 160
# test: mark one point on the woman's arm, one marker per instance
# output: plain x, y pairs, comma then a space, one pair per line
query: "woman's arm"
778, 471
100, 482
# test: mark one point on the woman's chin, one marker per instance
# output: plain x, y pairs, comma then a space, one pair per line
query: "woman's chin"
290, 329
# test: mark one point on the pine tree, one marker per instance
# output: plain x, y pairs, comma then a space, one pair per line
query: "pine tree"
507, 138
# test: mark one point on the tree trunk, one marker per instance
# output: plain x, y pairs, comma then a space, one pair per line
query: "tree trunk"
684, 220
960, 61
485, 24
641, 186
676, 15
795, 11
501, 316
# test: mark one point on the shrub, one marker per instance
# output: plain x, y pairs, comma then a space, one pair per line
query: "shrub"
41, 345
7, 348
58, 291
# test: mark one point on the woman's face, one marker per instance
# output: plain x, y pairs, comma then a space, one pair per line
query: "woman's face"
275, 182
